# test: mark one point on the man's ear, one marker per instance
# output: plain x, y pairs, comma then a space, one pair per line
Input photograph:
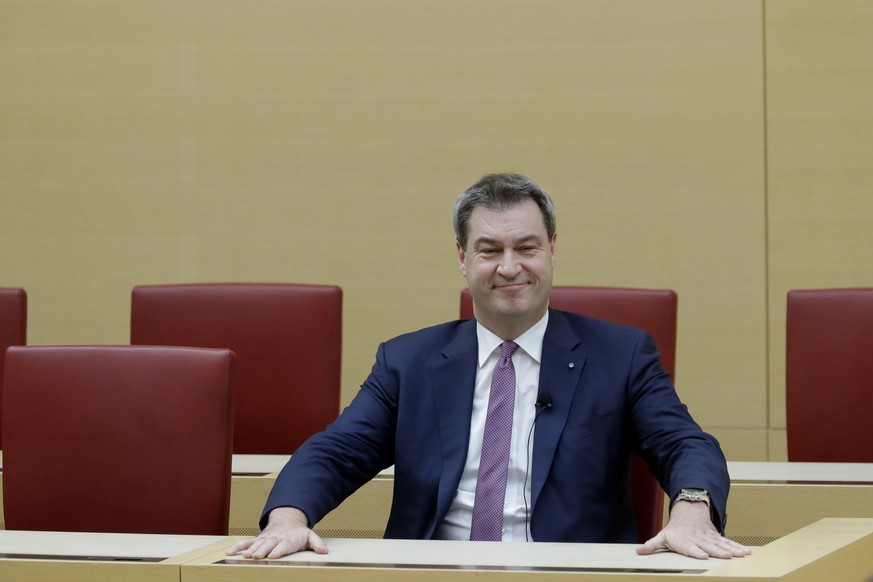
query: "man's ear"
462, 258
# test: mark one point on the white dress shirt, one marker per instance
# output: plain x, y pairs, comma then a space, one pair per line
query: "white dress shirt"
526, 360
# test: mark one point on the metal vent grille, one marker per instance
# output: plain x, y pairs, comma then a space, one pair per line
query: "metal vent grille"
248, 532
754, 540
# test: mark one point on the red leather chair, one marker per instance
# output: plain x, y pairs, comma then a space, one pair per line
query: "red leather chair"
13, 326
653, 310
126, 439
287, 340
829, 375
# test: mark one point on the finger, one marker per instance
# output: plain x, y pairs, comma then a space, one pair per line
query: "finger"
725, 548
261, 548
652, 546
279, 549
736, 550
316, 544
717, 551
722, 547
693, 551
738, 546
238, 547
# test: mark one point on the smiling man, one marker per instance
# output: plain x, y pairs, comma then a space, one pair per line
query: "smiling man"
518, 425
508, 267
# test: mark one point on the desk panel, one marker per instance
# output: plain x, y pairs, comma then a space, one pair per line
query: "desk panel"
363, 515
770, 500
759, 513
97, 557
792, 473
840, 549
767, 501
248, 493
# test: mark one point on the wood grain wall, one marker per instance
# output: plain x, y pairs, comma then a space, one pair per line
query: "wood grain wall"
717, 148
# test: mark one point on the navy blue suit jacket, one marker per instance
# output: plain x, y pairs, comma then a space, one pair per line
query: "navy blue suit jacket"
610, 398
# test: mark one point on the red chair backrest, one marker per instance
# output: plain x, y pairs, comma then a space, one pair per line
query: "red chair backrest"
829, 375
287, 340
652, 310
126, 439
13, 327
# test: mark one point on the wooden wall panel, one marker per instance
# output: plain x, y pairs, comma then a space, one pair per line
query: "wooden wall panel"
820, 143
158, 141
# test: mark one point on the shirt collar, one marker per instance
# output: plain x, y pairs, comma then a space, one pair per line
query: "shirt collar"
531, 341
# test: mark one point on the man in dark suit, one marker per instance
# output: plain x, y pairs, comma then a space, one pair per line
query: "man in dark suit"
518, 425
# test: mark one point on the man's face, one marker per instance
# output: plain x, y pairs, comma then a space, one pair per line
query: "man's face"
508, 265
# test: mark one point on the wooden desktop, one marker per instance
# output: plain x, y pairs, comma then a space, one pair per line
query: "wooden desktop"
98, 557
833, 548
838, 549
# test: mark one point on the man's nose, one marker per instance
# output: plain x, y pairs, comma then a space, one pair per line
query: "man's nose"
509, 266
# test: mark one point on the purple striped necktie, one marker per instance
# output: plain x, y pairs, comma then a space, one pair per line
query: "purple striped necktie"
487, 522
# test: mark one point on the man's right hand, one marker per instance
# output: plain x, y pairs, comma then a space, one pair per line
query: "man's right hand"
287, 532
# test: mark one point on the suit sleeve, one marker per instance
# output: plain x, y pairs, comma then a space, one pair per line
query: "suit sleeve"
676, 449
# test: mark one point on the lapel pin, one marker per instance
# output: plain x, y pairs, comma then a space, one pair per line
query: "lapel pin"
572, 365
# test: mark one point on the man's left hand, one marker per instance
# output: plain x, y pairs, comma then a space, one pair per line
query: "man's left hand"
690, 532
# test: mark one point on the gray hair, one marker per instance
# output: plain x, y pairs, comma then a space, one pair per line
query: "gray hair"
500, 192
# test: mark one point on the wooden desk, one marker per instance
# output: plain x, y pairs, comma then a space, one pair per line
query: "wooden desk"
839, 549
769, 500
67, 556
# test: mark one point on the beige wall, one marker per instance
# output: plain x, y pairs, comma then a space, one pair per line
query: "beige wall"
819, 161
717, 148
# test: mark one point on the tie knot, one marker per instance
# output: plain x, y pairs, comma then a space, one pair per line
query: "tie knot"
507, 349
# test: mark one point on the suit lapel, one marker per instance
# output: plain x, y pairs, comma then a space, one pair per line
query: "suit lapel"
453, 378
560, 370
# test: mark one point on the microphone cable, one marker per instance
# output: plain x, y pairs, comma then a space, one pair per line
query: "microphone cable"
544, 402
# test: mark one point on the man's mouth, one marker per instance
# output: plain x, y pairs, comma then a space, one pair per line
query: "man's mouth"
510, 286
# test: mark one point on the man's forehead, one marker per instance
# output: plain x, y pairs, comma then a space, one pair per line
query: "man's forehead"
497, 221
